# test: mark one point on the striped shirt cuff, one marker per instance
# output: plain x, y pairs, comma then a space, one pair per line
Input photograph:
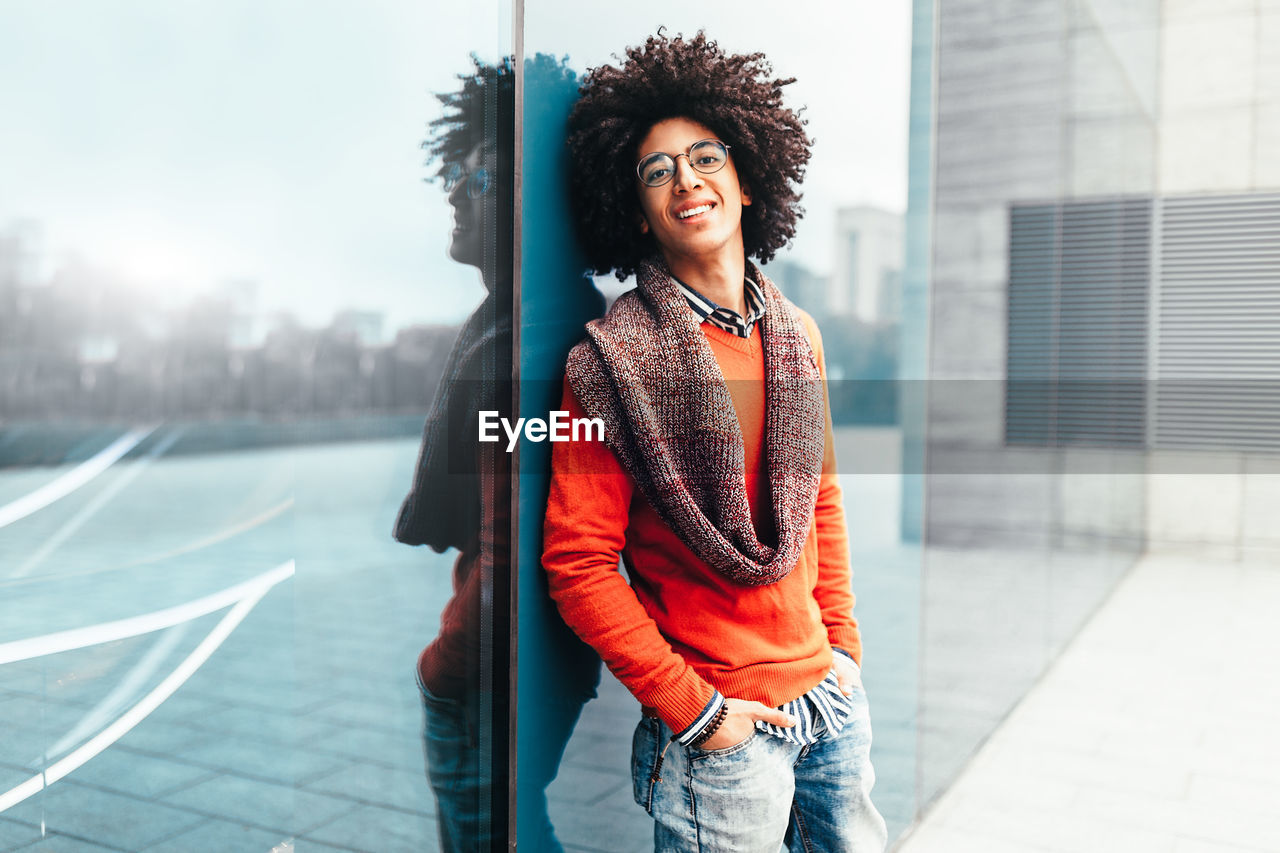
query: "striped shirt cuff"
846, 654
708, 714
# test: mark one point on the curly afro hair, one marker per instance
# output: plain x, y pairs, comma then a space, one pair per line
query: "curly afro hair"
481, 110
735, 95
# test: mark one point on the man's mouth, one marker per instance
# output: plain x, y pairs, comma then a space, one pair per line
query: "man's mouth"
694, 211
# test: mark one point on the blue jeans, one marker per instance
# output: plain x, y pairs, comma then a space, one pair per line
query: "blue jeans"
761, 794
460, 777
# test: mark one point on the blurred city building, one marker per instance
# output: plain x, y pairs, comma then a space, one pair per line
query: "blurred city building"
860, 306
78, 342
867, 282
248, 325
801, 285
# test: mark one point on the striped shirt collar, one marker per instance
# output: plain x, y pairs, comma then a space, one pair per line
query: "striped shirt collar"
726, 318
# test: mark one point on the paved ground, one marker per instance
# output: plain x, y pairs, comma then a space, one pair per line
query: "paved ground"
301, 732
1154, 731
302, 729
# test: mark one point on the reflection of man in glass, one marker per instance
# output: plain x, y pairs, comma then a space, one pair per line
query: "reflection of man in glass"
461, 495
717, 481
461, 490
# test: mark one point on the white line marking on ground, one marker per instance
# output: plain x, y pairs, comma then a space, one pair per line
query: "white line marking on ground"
69, 528
121, 695
73, 479
106, 632
138, 712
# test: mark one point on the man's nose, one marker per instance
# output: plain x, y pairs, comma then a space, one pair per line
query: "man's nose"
687, 177
458, 193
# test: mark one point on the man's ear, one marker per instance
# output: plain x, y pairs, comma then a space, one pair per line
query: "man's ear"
642, 223
746, 195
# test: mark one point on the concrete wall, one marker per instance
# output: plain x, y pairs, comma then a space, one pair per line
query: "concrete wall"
1219, 131
1037, 101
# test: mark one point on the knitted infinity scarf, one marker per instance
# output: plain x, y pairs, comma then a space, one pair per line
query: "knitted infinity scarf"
648, 372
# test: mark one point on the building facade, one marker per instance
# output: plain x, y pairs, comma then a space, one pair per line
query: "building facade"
1104, 303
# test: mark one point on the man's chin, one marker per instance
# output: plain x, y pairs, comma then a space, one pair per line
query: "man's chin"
695, 247
465, 252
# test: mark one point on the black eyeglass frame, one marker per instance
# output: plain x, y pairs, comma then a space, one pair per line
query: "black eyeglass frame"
685, 154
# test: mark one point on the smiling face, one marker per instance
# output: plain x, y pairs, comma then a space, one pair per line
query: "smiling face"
467, 240
694, 217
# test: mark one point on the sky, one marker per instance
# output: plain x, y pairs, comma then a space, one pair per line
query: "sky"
184, 145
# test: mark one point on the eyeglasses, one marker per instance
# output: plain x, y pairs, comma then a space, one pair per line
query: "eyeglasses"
477, 181
706, 157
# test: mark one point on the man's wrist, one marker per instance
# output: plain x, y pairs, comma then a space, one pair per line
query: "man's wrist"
841, 651
704, 719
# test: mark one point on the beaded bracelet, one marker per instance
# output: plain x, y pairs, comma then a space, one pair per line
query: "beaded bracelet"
703, 736
712, 727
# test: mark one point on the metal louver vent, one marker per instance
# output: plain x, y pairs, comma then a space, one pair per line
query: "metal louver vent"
1218, 345
1078, 300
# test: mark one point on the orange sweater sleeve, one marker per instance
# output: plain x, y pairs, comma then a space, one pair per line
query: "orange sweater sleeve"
588, 507
834, 590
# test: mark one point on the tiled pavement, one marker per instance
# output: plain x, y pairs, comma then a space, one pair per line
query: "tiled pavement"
304, 725
302, 731
1156, 730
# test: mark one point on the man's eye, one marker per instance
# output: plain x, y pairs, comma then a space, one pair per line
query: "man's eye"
708, 159
657, 174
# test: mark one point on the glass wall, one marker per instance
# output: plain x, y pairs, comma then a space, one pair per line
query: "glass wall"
228, 304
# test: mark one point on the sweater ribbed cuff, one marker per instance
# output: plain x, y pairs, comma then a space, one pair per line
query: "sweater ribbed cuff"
704, 719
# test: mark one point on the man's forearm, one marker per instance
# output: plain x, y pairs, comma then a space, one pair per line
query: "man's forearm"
600, 607
588, 506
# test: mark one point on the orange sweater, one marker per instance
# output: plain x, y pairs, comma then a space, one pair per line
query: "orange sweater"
681, 628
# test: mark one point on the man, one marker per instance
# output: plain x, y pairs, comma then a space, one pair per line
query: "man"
716, 483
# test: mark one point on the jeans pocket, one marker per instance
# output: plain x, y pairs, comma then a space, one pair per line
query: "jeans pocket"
447, 720
431, 700
646, 745
696, 752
